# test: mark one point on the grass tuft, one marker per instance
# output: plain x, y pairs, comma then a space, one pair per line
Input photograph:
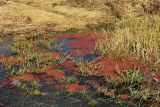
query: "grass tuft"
137, 37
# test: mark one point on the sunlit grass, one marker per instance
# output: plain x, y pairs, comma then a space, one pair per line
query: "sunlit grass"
90, 68
137, 37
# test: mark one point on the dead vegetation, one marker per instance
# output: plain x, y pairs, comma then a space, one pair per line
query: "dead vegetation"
61, 15
136, 32
21, 15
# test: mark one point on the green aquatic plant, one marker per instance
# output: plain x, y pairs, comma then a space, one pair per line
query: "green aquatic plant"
70, 80
134, 77
27, 57
95, 98
46, 44
31, 91
90, 68
138, 86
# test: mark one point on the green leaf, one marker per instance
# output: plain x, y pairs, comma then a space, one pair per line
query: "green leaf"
37, 92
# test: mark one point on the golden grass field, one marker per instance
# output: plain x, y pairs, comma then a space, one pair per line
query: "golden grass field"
26, 15
60, 15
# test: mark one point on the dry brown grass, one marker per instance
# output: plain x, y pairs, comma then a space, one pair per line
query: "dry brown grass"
60, 15
136, 32
25, 15
90, 4
134, 38
133, 8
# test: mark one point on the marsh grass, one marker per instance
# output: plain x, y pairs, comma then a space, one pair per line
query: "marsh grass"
139, 87
134, 35
70, 80
46, 44
31, 58
30, 90
137, 37
89, 68
130, 77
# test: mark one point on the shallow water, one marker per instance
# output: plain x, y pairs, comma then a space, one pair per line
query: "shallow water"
66, 48
4, 51
12, 96
2, 75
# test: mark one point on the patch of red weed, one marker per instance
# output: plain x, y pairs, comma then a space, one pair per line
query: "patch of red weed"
60, 86
79, 35
76, 87
17, 61
124, 96
156, 76
114, 67
55, 74
25, 77
81, 52
3, 59
85, 42
6, 82
68, 64
81, 44
48, 79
